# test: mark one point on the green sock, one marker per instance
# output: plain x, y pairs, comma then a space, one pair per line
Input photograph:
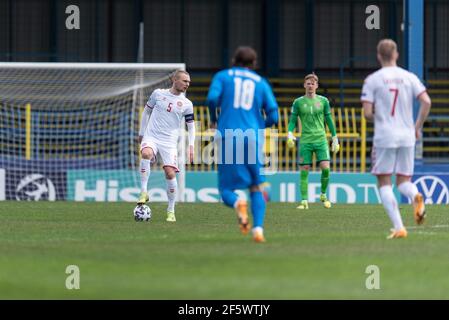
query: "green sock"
324, 179
304, 184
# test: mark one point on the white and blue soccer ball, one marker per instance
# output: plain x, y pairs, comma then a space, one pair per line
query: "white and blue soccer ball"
142, 213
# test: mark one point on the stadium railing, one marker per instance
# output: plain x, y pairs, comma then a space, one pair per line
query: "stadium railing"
351, 130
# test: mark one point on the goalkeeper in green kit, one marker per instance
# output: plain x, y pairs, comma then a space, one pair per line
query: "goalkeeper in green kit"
314, 112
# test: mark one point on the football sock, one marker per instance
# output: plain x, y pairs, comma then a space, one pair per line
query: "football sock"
145, 165
172, 190
324, 179
391, 206
304, 184
408, 189
229, 197
258, 208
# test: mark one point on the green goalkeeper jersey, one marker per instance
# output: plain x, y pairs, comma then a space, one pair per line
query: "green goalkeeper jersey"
314, 113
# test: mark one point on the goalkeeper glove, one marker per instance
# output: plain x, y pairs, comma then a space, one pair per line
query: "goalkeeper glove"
335, 147
291, 140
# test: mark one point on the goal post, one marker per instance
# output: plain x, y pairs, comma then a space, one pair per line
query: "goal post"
69, 131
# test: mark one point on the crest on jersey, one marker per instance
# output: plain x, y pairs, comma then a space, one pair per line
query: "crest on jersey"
179, 104
317, 104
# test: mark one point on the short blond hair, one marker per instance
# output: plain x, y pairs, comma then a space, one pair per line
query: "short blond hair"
311, 76
386, 49
177, 72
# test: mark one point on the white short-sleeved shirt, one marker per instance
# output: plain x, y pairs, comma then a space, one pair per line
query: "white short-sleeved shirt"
392, 90
167, 112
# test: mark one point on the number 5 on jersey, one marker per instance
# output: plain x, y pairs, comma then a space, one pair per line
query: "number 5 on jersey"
243, 93
170, 105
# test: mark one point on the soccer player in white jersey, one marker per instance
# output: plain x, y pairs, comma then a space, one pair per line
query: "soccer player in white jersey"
159, 132
387, 98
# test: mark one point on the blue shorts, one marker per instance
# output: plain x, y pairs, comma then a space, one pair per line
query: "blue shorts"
242, 168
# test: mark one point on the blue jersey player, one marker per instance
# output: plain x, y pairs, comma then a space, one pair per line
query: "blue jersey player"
243, 96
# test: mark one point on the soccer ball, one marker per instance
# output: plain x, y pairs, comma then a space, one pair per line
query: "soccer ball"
142, 213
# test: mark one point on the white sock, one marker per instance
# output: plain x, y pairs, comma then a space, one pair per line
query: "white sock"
172, 190
391, 206
257, 229
408, 189
145, 170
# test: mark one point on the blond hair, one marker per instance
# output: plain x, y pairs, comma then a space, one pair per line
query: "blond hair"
178, 72
311, 76
386, 49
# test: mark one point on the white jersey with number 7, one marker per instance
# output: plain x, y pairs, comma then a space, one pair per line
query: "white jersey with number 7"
392, 91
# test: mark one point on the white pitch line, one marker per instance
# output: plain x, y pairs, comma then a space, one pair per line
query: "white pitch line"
437, 226
424, 232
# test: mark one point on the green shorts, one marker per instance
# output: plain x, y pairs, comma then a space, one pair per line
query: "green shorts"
306, 151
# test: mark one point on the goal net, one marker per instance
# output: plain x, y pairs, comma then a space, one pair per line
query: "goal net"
69, 131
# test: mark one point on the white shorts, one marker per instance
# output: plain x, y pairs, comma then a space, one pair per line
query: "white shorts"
169, 154
388, 161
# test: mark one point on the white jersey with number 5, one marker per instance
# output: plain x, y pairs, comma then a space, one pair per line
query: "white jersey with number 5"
165, 121
392, 90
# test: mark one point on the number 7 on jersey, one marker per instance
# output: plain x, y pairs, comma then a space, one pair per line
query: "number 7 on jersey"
395, 99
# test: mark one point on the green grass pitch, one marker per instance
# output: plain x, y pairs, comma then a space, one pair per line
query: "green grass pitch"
316, 254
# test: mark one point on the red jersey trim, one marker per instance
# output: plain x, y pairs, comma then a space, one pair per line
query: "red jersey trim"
167, 165
404, 175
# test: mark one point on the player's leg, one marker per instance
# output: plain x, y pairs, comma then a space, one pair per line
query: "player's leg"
230, 178
304, 187
404, 173
325, 173
148, 152
383, 166
323, 158
231, 199
258, 208
258, 204
305, 161
169, 159
172, 191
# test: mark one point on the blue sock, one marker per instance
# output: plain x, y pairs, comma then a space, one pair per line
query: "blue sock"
258, 208
229, 197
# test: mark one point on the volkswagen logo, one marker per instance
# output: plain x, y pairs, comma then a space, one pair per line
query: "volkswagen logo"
433, 189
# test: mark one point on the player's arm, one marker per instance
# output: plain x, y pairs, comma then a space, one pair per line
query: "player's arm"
330, 124
367, 99
190, 121
291, 125
368, 110
270, 106
213, 98
425, 104
419, 90
146, 114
